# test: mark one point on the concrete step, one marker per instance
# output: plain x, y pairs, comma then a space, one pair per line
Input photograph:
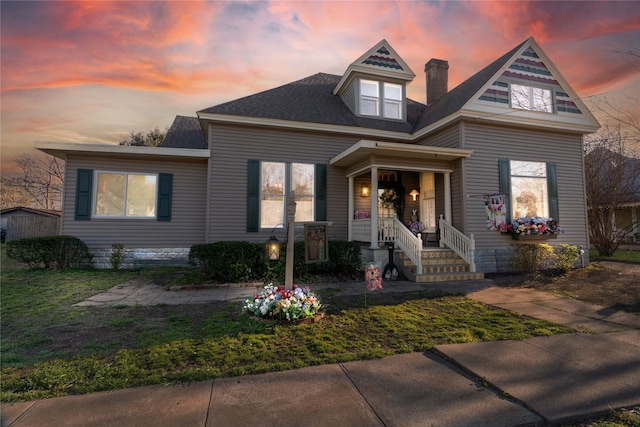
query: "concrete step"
448, 277
438, 265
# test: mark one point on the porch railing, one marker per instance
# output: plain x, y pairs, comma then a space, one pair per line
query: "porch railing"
391, 230
459, 243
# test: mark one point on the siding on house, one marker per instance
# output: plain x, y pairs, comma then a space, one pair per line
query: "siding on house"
187, 225
448, 138
490, 143
233, 146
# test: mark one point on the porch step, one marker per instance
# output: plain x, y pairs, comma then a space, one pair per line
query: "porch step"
438, 265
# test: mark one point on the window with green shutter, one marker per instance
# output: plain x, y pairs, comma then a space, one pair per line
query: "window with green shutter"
532, 188
270, 183
112, 195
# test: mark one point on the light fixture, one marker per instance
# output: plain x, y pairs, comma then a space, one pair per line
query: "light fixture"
414, 193
365, 191
272, 248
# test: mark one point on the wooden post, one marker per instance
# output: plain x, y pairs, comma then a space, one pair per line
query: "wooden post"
291, 219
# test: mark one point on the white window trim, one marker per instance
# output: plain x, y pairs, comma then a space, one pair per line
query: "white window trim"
381, 100
531, 87
288, 186
544, 178
94, 196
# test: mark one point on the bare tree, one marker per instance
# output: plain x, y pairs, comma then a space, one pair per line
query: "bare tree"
153, 138
613, 180
37, 185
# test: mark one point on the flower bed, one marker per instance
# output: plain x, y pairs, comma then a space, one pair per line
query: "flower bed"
278, 303
534, 226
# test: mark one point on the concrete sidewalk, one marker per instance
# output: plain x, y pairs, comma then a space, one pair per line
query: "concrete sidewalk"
538, 381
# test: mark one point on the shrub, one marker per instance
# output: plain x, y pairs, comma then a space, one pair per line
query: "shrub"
566, 256
531, 259
58, 252
237, 261
117, 256
229, 261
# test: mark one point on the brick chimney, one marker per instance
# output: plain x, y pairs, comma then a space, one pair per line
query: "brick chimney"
437, 72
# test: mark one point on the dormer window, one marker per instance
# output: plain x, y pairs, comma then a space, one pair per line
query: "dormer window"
531, 98
376, 96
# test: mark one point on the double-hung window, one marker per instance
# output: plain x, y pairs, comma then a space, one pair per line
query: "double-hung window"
381, 99
529, 189
369, 97
277, 181
392, 101
125, 195
269, 184
531, 98
532, 187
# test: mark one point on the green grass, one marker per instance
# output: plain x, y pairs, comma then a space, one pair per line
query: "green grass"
150, 345
619, 255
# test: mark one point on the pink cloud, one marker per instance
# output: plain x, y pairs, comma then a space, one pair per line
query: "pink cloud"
181, 56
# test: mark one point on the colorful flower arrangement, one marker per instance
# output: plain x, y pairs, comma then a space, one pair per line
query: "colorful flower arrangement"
534, 225
390, 198
361, 214
274, 302
416, 227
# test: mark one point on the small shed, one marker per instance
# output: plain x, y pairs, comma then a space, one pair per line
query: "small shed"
20, 222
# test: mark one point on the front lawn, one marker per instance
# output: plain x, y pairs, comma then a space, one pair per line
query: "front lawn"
50, 348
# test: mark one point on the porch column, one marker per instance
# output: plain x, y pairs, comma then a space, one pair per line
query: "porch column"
447, 196
351, 205
374, 208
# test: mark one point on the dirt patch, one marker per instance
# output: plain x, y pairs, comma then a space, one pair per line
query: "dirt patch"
108, 329
605, 283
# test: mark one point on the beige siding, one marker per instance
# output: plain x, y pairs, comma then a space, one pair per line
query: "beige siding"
449, 138
232, 147
481, 177
187, 224
349, 96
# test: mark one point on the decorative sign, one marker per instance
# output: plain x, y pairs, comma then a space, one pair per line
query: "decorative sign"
496, 208
315, 243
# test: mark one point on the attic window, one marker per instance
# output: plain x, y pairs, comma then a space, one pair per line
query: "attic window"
531, 98
373, 94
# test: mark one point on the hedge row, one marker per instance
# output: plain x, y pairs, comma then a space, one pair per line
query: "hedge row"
237, 261
58, 252
222, 262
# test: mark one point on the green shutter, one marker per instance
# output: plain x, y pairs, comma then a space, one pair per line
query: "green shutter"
504, 170
321, 192
253, 196
552, 188
84, 188
165, 191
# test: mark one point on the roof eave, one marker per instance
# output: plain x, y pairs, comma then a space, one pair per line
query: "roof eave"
310, 126
62, 149
364, 148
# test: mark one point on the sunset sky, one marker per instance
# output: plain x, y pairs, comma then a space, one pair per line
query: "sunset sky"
92, 71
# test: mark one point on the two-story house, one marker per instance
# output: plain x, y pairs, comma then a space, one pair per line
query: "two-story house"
356, 154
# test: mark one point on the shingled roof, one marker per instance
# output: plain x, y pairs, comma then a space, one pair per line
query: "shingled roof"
185, 132
311, 100
457, 97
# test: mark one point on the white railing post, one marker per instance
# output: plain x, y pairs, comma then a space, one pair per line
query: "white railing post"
408, 242
459, 243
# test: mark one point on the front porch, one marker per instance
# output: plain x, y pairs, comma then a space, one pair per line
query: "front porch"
394, 185
420, 258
